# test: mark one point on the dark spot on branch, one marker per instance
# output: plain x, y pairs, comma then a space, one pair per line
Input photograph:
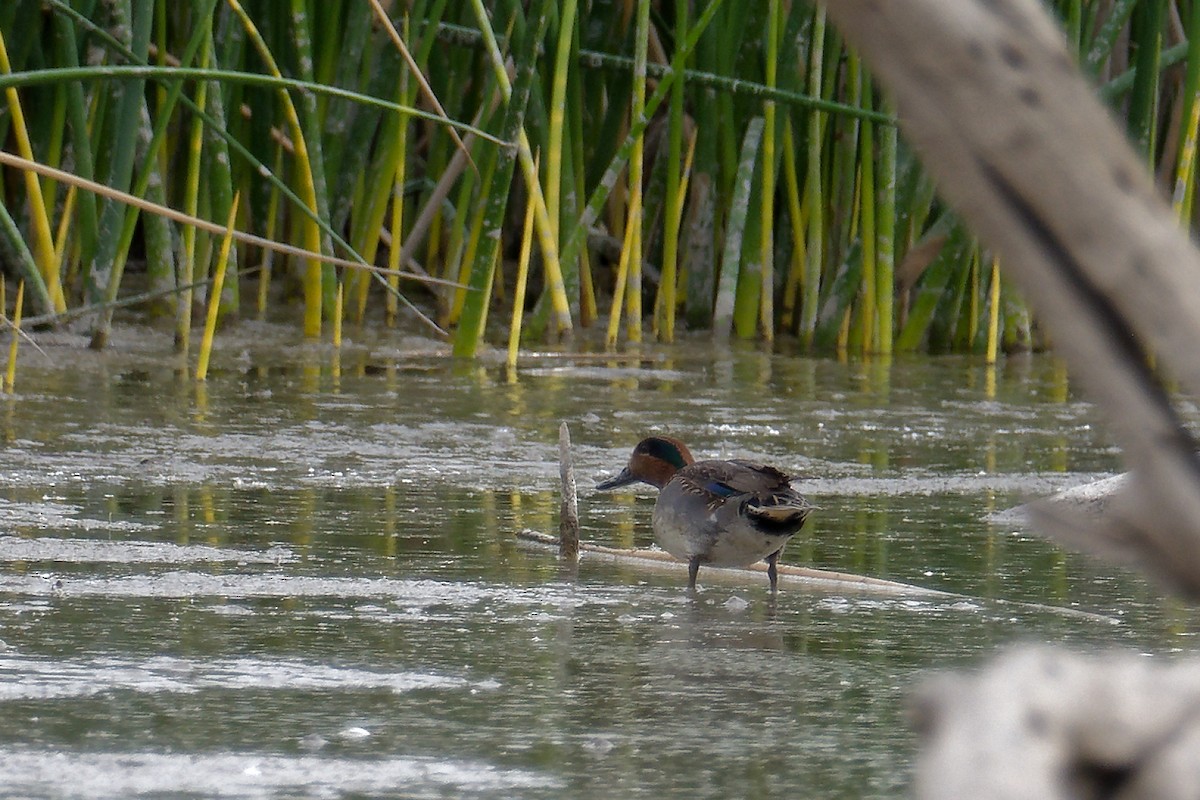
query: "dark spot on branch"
1037, 724
1123, 179
1090, 779
1140, 266
1012, 56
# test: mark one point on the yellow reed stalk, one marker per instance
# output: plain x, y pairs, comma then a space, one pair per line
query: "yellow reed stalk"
337, 316
558, 112
191, 202
993, 336
685, 177
633, 289
64, 226
549, 247
464, 267
496, 258
514, 330
10, 377
308, 190
397, 226
614, 314
587, 292
843, 338
214, 295
667, 298
391, 305
43, 238
1187, 166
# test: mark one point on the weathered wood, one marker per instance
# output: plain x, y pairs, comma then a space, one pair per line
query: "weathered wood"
987, 92
1041, 723
806, 576
568, 510
808, 579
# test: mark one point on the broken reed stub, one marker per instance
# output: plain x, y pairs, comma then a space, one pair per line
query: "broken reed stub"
568, 510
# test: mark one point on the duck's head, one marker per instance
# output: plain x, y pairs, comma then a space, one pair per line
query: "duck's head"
655, 461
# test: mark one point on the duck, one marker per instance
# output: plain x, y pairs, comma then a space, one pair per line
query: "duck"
717, 513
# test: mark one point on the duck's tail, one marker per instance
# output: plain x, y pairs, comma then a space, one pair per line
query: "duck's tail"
779, 513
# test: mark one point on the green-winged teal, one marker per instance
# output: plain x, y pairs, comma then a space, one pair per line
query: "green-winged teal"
721, 513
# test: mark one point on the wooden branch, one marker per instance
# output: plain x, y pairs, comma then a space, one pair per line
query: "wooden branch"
1040, 723
988, 93
568, 509
808, 577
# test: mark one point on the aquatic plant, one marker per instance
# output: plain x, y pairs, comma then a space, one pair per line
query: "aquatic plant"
715, 166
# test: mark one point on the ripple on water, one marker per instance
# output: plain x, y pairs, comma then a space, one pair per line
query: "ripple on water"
95, 551
60, 516
410, 595
34, 678
93, 776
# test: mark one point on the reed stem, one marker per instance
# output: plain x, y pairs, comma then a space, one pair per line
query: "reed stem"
214, 294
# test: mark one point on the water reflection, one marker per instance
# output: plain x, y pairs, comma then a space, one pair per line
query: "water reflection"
266, 581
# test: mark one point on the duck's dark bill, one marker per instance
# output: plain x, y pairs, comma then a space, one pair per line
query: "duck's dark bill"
623, 478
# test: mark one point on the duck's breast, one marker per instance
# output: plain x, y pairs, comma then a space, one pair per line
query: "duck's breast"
684, 526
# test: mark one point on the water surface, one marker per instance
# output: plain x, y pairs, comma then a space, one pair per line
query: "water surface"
303, 579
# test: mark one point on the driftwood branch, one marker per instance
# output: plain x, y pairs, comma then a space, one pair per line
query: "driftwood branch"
988, 93
1041, 724
806, 578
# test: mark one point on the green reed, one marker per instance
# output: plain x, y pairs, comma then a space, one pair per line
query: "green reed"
731, 164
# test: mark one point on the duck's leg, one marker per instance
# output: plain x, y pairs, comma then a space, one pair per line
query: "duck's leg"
773, 569
693, 571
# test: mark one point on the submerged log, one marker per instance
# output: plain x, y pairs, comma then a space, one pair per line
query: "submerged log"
809, 578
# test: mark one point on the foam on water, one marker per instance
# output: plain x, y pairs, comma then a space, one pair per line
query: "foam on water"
33, 678
98, 776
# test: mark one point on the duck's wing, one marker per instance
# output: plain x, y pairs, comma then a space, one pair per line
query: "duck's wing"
760, 477
722, 480
748, 490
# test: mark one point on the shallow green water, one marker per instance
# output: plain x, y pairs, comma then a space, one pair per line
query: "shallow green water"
302, 581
